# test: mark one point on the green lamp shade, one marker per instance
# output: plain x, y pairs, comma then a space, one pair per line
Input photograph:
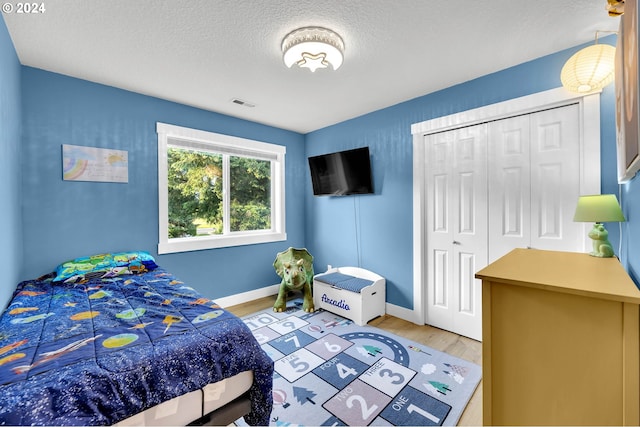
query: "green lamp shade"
598, 208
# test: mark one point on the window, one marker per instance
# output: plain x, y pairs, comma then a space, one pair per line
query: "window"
217, 190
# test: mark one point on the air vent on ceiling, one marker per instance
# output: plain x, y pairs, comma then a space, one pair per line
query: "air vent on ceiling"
243, 103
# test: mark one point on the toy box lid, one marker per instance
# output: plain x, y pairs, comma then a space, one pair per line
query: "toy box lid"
344, 281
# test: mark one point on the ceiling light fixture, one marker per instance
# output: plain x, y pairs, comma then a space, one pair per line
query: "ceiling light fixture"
589, 69
313, 48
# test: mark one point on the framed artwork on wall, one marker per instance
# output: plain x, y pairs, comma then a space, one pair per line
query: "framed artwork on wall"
627, 96
81, 163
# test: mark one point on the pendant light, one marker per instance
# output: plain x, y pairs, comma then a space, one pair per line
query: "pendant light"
589, 69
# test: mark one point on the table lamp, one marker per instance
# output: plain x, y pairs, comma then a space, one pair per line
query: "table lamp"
598, 209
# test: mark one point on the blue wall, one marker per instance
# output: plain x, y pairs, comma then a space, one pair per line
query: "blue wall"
66, 219
375, 231
10, 174
631, 228
62, 220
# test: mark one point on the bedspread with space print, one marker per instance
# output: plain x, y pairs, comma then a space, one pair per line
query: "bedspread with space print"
101, 351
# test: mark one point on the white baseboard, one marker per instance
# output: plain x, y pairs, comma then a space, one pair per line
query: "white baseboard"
247, 296
404, 314
391, 309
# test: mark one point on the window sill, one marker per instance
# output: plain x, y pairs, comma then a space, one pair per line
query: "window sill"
200, 243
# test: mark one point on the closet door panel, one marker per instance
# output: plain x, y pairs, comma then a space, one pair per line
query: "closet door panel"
456, 226
511, 207
549, 203
440, 204
470, 235
467, 208
555, 176
467, 292
470, 187
439, 185
441, 279
509, 186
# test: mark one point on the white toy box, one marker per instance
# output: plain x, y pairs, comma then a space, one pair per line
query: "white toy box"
351, 292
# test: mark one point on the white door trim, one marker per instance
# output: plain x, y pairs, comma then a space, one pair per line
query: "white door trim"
589, 161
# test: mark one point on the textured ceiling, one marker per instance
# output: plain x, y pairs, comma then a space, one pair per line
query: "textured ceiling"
204, 53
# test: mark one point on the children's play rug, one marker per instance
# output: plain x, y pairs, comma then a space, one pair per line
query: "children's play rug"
330, 371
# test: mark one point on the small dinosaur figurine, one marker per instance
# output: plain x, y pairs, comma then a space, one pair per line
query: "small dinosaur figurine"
295, 267
601, 246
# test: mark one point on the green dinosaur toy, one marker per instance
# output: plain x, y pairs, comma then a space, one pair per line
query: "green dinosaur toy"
295, 267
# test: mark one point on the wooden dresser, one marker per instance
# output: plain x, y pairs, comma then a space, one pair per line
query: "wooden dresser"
561, 340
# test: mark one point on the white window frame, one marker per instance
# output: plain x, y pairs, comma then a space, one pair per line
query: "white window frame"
181, 137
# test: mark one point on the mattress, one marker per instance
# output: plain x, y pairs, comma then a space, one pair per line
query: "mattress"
107, 349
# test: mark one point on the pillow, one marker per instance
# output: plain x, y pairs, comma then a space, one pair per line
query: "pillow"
105, 265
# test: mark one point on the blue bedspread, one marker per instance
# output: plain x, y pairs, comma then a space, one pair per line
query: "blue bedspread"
101, 351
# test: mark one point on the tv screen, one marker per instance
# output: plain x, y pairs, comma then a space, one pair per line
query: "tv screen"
342, 173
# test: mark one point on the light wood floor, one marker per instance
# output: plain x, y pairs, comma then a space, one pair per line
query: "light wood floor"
456, 345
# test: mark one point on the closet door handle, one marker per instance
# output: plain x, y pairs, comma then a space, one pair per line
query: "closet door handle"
455, 242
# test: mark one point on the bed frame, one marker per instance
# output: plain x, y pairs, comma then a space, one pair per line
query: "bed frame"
219, 403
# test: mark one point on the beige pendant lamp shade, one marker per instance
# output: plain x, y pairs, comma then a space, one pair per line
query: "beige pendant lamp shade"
589, 69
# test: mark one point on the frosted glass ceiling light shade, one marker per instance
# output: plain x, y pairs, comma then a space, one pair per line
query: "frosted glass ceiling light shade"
313, 48
589, 69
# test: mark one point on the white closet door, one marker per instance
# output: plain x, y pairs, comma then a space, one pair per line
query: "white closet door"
536, 166
509, 186
456, 182
555, 179
491, 188
534, 182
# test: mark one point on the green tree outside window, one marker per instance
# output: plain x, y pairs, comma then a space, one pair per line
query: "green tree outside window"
196, 190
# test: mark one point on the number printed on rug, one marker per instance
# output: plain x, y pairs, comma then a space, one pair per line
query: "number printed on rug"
341, 370
297, 364
387, 376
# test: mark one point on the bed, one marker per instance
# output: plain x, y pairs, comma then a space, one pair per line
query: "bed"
126, 343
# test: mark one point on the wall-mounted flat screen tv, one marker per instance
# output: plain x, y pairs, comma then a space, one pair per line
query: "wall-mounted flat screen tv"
342, 173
